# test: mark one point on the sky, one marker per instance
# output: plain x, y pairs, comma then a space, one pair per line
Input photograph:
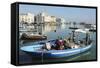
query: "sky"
70, 14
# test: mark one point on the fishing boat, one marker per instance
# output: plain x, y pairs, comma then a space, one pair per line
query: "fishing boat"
92, 29
33, 37
37, 50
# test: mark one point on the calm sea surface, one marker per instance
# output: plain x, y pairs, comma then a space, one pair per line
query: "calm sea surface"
53, 32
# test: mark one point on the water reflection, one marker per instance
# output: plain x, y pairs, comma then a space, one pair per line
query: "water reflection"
42, 28
48, 28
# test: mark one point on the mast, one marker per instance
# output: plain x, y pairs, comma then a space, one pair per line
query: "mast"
73, 36
87, 38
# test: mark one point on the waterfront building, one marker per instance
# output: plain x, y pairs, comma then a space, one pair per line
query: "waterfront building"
88, 25
26, 23
44, 18
60, 21
26, 18
39, 18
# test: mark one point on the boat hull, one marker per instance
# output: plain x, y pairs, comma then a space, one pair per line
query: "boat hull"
35, 51
33, 37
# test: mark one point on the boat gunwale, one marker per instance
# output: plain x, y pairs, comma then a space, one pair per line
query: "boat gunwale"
54, 51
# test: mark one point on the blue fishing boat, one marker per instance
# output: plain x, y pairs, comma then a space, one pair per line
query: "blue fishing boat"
37, 50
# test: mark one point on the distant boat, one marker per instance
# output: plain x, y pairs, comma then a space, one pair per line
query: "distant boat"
33, 37
73, 28
37, 51
92, 30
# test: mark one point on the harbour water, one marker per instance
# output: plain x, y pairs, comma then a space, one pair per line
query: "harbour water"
53, 32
